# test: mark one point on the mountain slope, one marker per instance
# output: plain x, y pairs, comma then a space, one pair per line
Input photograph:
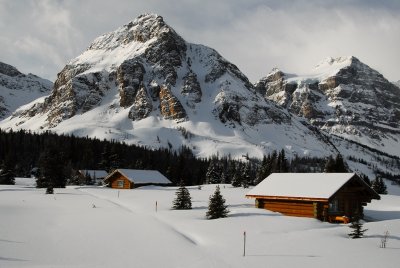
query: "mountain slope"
18, 89
144, 84
355, 105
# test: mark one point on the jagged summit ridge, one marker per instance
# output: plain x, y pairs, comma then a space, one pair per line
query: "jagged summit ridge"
17, 89
144, 28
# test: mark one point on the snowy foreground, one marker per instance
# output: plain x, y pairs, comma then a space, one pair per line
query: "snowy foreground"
93, 227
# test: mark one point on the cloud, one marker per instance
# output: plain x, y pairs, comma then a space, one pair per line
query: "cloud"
256, 35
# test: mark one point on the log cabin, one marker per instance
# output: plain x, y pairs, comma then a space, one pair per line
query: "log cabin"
133, 178
332, 197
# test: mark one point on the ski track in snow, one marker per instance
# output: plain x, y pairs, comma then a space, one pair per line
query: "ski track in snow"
165, 224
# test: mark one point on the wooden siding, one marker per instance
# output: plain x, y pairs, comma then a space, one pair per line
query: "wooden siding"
114, 181
290, 208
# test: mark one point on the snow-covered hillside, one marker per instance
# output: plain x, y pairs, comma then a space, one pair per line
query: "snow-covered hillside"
18, 89
102, 227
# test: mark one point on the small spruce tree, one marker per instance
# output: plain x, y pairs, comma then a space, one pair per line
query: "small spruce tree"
357, 229
50, 188
183, 200
216, 206
379, 186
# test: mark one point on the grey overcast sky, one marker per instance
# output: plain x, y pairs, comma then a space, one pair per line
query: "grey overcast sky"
41, 36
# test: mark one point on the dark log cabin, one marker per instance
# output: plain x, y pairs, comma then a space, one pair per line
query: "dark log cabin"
132, 178
333, 197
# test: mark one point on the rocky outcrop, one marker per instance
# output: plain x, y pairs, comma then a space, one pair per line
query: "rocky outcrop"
8, 70
275, 87
345, 98
170, 106
142, 105
129, 77
17, 89
191, 89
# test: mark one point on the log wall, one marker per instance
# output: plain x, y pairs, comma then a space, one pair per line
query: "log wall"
117, 177
291, 208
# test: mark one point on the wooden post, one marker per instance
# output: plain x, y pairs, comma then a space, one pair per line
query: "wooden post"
244, 243
118, 193
156, 206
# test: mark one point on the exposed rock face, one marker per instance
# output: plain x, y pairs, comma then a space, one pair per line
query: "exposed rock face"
170, 106
17, 89
350, 99
275, 87
152, 69
142, 105
8, 70
191, 89
130, 78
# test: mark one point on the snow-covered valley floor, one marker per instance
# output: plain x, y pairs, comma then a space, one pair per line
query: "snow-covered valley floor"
94, 227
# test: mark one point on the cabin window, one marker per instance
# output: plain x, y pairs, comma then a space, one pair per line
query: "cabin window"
334, 205
120, 183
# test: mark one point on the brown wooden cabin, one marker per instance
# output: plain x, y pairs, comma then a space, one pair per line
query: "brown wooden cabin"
333, 197
132, 178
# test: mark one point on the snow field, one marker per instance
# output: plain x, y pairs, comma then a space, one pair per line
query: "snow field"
65, 230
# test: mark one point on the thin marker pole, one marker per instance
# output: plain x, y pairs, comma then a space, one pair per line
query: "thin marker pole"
156, 206
244, 243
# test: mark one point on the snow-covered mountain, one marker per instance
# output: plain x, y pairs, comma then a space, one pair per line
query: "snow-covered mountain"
18, 89
343, 97
144, 84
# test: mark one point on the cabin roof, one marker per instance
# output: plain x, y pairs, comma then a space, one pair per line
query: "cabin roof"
94, 173
143, 176
302, 185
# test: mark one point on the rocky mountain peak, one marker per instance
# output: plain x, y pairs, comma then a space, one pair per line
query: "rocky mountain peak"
17, 89
342, 96
144, 29
8, 70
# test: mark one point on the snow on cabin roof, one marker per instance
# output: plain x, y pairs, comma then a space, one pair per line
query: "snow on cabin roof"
302, 185
144, 176
94, 173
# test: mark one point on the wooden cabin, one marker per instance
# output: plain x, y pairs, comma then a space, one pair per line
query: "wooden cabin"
333, 197
132, 178
96, 175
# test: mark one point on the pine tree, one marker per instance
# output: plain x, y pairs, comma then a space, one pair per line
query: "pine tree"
237, 176
339, 164
274, 162
7, 173
366, 179
246, 179
283, 163
183, 199
260, 176
216, 206
50, 189
52, 169
357, 229
213, 174
329, 165
379, 186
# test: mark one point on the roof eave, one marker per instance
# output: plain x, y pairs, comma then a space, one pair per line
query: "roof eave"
292, 198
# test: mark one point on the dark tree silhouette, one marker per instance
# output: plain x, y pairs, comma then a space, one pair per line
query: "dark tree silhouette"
216, 206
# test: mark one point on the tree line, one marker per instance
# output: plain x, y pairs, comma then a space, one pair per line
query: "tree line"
53, 158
